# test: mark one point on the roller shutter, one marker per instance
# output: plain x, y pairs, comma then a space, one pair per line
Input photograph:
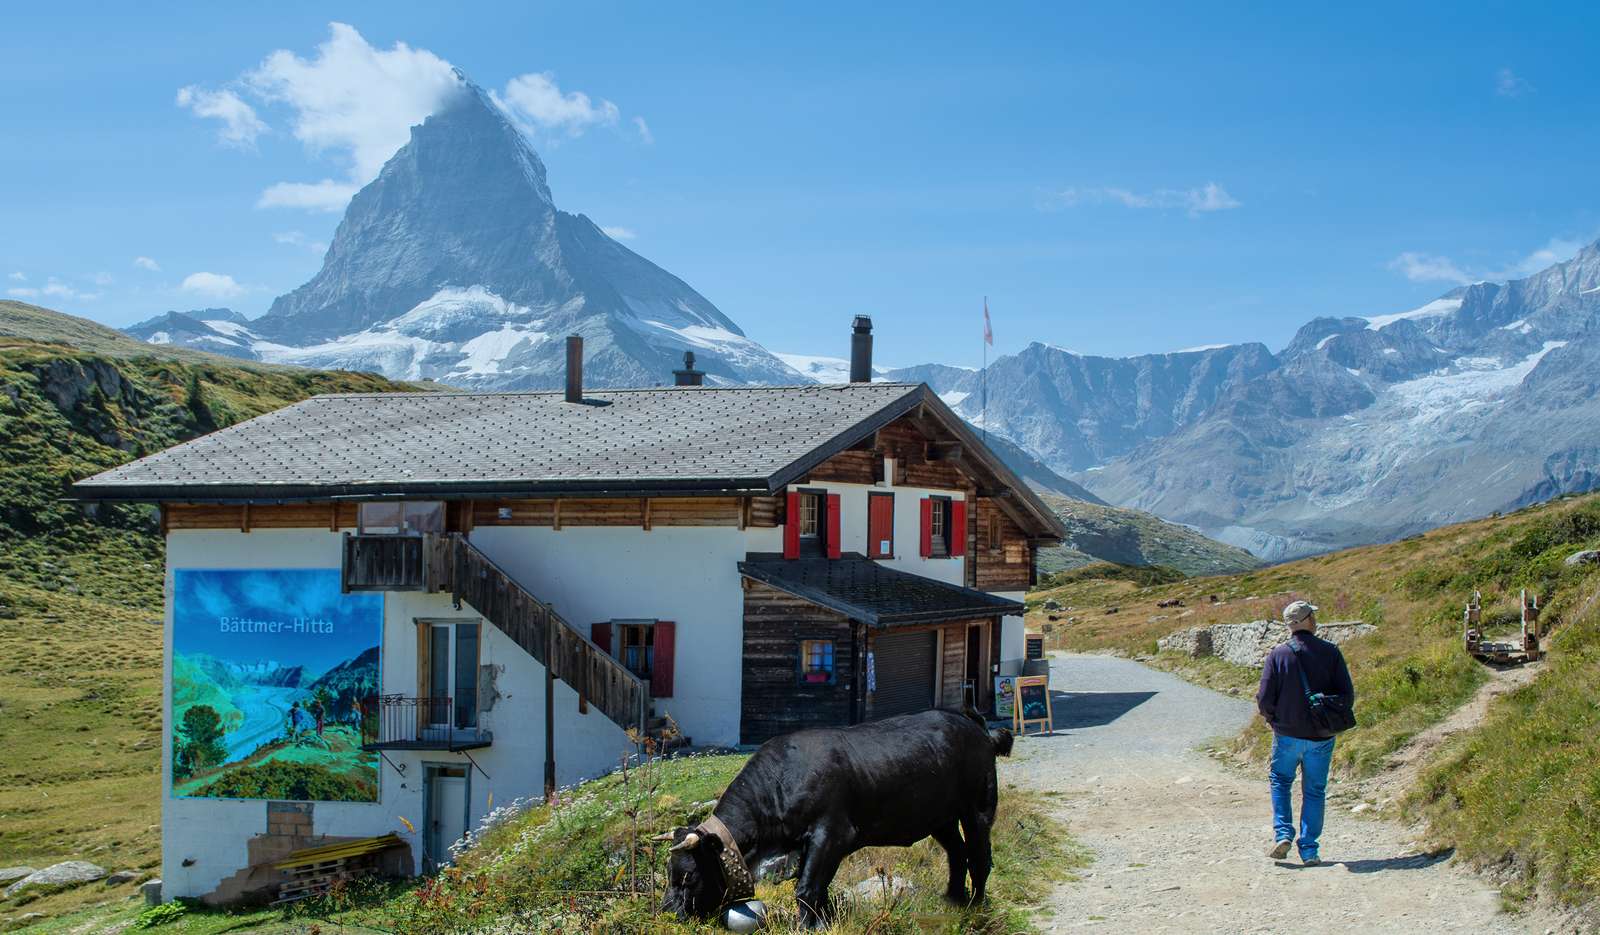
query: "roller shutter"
904, 664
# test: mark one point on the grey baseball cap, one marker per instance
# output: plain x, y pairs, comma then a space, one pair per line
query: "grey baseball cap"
1298, 611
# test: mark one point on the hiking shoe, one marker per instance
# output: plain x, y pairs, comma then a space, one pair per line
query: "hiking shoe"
1311, 861
1280, 850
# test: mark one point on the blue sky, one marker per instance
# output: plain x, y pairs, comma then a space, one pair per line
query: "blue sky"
1115, 181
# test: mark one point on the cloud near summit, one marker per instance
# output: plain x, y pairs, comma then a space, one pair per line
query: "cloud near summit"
352, 103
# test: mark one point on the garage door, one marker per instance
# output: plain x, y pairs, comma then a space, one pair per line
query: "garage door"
904, 664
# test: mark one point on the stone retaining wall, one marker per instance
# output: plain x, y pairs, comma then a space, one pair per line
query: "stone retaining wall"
1247, 644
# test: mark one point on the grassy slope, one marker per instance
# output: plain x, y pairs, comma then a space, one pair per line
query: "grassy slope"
592, 865
1132, 537
80, 598
1527, 783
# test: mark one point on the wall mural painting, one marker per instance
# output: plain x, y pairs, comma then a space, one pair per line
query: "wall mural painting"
274, 684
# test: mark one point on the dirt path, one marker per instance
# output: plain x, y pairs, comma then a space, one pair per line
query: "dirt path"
1179, 838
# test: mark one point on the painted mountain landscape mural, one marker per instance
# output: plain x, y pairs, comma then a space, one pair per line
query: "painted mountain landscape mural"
250, 721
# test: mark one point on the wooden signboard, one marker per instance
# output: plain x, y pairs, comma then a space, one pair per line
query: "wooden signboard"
1033, 704
1034, 643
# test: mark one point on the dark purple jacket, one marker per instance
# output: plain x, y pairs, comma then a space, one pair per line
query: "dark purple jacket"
1281, 698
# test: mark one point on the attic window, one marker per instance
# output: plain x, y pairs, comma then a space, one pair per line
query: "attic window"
400, 517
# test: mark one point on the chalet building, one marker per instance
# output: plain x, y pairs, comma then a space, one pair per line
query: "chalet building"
366, 594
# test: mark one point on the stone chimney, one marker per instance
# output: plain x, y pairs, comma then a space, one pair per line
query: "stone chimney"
688, 376
861, 350
574, 368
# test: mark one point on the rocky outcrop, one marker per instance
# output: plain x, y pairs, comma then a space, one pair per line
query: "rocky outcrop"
1586, 557
65, 874
1247, 644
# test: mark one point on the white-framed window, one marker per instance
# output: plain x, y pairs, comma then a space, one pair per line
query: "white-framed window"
816, 662
810, 515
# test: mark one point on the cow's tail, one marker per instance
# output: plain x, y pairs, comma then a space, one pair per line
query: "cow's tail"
1000, 736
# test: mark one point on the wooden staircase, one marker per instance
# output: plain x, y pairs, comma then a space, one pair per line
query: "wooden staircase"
448, 562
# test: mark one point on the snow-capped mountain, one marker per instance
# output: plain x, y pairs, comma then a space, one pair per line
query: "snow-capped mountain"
455, 264
1378, 427
218, 330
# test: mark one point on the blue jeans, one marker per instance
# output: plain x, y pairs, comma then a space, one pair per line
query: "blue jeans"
1312, 757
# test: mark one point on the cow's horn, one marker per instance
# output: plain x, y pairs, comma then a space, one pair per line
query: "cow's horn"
663, 836
689, 840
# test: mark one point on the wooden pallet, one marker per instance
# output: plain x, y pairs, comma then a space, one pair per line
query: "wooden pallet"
313, 871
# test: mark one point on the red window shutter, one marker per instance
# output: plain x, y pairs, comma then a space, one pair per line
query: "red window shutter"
833, 525
958, 528
600, 633
666, 641
880, 525
791, 527
927, 527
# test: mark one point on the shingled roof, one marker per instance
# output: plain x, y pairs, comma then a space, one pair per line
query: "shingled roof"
873, 593
645, 442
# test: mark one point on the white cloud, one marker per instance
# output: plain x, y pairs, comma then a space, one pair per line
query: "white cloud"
644, 131
619, 233
298, 239
357, 104
326, 195
536, 102
240, 125
22, 292
1423, 267
145, 263
103, 279
1196, 201
19, 277
354, 99
1508, 83
214, 285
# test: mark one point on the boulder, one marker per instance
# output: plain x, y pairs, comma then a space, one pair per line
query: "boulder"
123, 876
66, 873
1051, 603
1586, 557
881, 887
13, 874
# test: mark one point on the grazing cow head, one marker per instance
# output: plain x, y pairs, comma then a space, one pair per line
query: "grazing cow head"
696, 884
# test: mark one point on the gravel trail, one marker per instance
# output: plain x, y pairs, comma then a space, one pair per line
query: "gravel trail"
1179, 839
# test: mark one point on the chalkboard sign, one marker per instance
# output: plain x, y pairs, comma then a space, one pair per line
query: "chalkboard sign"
1033, 704
1034, 646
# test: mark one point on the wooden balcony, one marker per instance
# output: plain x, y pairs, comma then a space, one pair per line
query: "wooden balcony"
394, 563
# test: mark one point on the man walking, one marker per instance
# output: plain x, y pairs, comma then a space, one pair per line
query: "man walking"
1300, 667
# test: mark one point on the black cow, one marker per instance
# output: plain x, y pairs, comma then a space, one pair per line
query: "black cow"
819, 795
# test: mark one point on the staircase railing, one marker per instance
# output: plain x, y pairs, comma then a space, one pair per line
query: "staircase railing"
457, 565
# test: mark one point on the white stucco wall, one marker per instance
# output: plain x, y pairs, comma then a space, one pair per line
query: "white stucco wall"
907, 526
688, 575
211, 834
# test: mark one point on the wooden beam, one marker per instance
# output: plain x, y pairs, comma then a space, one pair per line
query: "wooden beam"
555, 520
163, 515
333, 516
644, 512
244, 518
744, 512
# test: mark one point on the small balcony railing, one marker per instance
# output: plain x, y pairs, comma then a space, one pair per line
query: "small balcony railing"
408, 723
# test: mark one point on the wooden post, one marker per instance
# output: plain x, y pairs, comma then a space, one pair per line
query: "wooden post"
244, 518
556, 515
644, 512
549, 709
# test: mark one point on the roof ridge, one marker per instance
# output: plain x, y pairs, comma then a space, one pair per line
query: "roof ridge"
621, 389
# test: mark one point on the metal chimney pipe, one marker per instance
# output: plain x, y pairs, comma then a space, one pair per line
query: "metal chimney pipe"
861, 350
574, 368
688, 376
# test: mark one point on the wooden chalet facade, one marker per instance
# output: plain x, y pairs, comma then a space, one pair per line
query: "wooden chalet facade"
746, 561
